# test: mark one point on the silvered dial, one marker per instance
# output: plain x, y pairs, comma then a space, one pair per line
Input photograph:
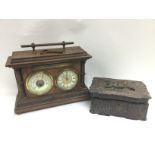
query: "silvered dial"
39, 83
67, 80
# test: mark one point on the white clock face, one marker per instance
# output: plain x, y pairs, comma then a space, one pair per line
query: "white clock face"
67, 80
39, 83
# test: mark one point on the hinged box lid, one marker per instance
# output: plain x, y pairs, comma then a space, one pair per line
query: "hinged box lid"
127, 90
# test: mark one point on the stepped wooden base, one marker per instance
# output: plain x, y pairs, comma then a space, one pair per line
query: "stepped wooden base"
24, 104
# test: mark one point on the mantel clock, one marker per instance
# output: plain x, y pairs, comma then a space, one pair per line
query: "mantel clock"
49, 77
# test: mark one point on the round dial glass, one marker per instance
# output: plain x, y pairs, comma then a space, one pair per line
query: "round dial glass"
67, 80
39, 83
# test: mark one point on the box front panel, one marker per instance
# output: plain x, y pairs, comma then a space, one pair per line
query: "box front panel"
136, 111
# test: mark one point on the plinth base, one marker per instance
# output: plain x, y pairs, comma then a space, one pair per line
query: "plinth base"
27, 104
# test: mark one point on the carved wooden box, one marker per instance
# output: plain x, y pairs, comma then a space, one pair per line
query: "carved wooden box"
124, 98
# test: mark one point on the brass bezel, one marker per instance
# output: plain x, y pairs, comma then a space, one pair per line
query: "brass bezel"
33, 73
67, 69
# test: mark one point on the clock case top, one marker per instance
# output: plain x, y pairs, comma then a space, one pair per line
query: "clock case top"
21, 59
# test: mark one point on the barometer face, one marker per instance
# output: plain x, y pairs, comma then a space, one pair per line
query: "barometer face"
39, 83
67, 80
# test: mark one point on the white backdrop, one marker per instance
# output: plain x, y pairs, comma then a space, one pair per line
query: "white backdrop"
122, 49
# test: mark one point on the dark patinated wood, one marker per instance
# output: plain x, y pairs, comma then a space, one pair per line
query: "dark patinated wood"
124, 98
20, 82
40, 57
31, 104
54, 61
82, 72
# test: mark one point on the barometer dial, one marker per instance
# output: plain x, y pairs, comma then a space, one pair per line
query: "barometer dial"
67, 80
39, 83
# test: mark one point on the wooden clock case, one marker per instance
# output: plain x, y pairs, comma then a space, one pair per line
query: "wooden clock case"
53, 61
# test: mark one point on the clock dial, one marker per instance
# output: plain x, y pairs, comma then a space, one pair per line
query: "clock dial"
39, 83
67, 80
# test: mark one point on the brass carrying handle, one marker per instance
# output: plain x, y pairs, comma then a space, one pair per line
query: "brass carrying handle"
33, 45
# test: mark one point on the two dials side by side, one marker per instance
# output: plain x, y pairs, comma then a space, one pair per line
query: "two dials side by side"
41, 82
